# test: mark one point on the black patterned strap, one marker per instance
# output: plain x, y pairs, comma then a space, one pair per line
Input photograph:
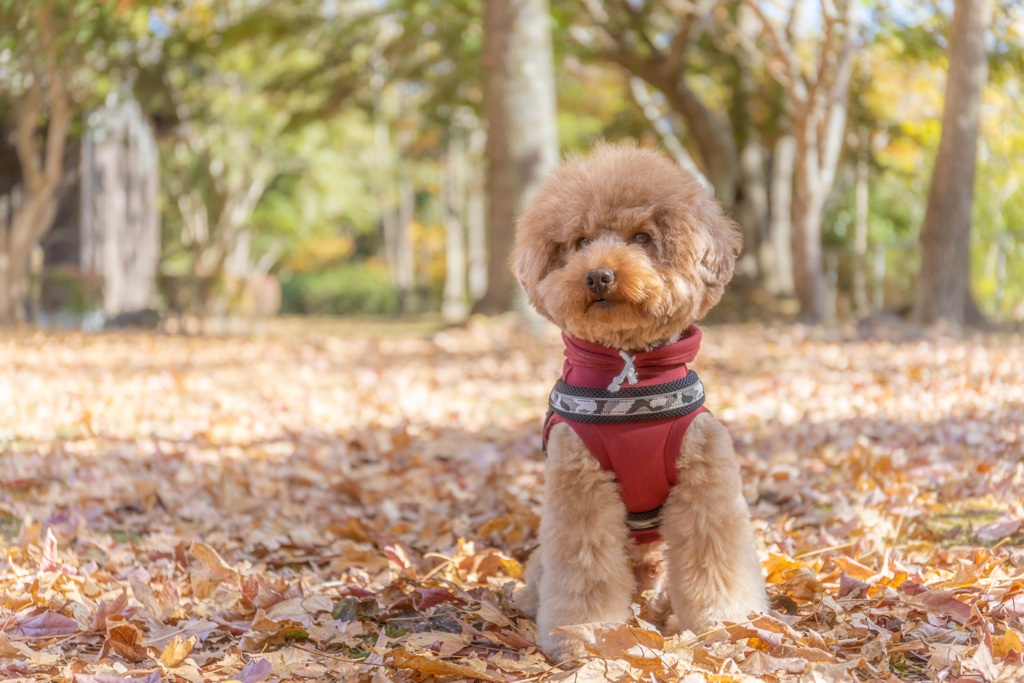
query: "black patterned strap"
644, 521
629, 404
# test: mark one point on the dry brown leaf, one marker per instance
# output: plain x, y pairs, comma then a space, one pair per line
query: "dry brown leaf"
125, 640
854, 569
212, 570
760, 664
448, 643
14, 650
436, 667
299, 458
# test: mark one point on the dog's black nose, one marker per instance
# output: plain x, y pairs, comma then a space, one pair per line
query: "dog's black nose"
600, 279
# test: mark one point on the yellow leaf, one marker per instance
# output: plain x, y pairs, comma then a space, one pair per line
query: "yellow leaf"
854, 569
1007, 643
177, 650
781, 568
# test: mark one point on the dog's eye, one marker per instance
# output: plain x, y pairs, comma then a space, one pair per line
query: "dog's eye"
641, 238
582, 242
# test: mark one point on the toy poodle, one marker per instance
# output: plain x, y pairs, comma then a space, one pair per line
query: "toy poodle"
624, 251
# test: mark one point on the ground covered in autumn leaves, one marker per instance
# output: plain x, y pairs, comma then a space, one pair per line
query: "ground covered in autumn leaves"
354, 503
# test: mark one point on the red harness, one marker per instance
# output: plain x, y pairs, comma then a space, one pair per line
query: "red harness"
635, 431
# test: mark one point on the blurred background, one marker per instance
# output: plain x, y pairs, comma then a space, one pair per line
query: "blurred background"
192, 164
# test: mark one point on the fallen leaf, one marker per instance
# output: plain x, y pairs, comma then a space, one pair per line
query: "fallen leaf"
942, 602
177, 650
46, 624
13, 649
154, 677
125, 640
401, 659
255, 671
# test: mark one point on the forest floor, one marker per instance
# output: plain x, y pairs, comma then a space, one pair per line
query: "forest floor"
356, 502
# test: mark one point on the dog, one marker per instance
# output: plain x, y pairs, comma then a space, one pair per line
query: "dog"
624, 251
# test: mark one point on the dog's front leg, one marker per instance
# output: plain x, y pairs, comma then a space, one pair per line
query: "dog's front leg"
584, 545
713, 571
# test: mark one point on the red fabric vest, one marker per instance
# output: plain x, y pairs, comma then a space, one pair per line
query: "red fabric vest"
642, 455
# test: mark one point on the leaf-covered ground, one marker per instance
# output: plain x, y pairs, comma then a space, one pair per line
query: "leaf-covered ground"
352, 504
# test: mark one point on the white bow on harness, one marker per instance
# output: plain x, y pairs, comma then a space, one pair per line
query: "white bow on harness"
628, 373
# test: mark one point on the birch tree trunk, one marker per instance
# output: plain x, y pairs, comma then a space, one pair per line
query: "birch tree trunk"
120, 219
476, 216
455, 306
808, 209
522, 139
778, 264
943, 285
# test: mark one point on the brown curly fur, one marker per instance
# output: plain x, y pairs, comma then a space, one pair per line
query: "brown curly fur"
608, 197
583, 571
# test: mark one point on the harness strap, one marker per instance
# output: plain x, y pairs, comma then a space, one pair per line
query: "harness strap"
629, 404
644, 521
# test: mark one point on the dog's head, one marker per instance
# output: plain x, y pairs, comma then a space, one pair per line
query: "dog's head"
624, 248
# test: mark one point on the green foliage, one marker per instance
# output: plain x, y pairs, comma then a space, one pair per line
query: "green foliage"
350, 288
326, 187
438, 45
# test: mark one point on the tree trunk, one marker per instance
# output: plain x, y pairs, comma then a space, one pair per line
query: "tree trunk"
818, 99
120, 223
522, 139
751, 207
943, 285
751, 210
31, 216
713, 137
808, 210
860, 230
777, 259
662, 126
476, 216
454, 307
405, 274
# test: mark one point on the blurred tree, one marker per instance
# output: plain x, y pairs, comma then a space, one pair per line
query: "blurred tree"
120, 216
654, 42
817, 95
943, 286
432, 68
522, 141
44, 43
235, 84
701, 60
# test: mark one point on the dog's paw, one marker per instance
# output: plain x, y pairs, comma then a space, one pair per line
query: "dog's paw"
527, 600
563, 645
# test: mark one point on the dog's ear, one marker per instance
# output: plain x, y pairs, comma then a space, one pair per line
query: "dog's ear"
535, 252
722, 244
530, 263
